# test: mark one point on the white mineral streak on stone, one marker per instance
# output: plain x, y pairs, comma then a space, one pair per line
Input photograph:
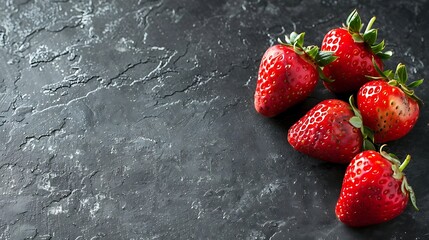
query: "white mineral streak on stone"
106, 8
204, 179
268, 191
29, 145
69, 102
145, 37
52, 149
45, 182
176, 17
93, 204
250, 80
87, 23
42, 54
158, 69
79, 166
56, 210
110, 27
275, 157
204, 102
144, 139
113, 150
124, 45
196, 205
94, 209
157, 48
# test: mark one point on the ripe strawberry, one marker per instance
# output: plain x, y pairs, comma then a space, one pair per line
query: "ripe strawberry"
354, 51
389, 106
330, 132
374, 189
288, 73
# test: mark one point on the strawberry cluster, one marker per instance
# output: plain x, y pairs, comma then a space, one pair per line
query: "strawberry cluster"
350, 61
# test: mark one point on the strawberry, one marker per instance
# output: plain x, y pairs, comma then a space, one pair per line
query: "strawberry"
374, 189
354, 51
288, 73
388, 105
330, 132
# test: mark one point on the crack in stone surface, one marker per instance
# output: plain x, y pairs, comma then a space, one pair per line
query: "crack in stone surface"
65, 194
45, 57
69, 82
51, 133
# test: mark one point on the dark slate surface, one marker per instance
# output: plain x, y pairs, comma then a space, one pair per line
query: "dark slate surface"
134, 120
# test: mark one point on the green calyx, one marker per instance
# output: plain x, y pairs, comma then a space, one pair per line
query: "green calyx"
319, 58
354, 26
398, 168
356, 121
399, 78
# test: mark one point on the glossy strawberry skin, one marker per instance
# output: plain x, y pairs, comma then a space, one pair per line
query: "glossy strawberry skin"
353, 63
325, 133
285, 78
369, 194
387, 110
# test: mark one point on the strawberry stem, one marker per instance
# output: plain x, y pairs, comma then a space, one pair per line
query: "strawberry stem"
354, 26
399, 79
405, 187
356, 121
405, 163
370, 23
319, 58
354, 22
394, 160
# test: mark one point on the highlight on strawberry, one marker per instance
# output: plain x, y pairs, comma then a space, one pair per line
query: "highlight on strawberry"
288, 74
354, 51
374, 189
389, 105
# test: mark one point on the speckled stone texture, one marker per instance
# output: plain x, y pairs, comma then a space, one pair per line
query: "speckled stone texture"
134, 120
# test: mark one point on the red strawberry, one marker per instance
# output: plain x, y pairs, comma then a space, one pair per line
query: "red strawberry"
330, 132
389, 106
354, 51
374, 189
288, 73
